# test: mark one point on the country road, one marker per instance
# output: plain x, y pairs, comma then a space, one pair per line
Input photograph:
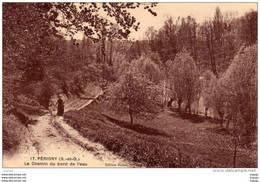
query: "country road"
51, 140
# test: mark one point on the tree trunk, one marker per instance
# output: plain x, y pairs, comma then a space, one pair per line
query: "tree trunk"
83, 48
195, 49
213, 55
131, 117
198, 104
164, 91
206, 112
221, 119
191, 43
210, 45
179, 106
111, 53
189, 109
227, 123
103, 50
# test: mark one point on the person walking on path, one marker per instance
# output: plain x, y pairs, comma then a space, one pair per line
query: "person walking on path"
51, 107
60, 104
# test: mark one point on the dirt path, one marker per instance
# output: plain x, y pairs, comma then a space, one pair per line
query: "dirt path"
52, 140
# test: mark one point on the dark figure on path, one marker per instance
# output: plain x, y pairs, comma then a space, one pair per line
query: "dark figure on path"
60, 104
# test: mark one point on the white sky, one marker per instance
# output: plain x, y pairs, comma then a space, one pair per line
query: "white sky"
199, 11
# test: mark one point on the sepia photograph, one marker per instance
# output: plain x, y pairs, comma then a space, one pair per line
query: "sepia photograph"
129, 85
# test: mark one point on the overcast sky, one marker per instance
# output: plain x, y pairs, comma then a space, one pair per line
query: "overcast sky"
199, 11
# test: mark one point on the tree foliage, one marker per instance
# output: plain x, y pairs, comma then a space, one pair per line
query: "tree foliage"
212, 44
185, 78
240, 85
36, 49
234, 94
138, 91
90, 18
31, 33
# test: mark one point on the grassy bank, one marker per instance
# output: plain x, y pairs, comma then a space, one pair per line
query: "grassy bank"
165, 141
16, 120
149, 150
13, 133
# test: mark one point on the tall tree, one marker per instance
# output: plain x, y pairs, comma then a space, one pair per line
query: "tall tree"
187, 35
184, 78
248, 29
208, 34
137, 90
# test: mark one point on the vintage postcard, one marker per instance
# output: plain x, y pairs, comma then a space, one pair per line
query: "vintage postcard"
129, 85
